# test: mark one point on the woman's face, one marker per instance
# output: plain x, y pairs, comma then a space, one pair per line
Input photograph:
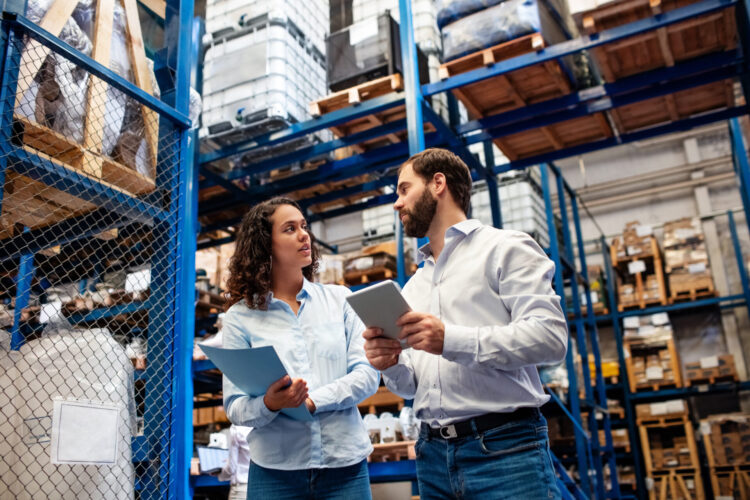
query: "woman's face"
290, 241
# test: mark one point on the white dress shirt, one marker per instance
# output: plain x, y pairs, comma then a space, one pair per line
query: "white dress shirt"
322, 344
238, 463
492, 289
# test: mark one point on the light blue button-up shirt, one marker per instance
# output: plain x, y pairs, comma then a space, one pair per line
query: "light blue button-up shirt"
322, 344
493, 291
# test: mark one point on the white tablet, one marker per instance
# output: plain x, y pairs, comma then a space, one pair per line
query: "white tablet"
380, 306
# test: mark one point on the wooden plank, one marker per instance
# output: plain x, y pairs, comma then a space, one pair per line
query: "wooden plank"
142, 75
35, 53
158, 7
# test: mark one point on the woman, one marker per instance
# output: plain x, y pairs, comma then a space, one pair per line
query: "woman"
273, 301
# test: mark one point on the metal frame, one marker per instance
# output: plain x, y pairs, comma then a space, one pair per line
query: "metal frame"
660, 82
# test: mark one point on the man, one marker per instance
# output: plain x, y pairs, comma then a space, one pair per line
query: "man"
484, 315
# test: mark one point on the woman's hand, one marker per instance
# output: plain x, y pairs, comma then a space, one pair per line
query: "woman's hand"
285, 393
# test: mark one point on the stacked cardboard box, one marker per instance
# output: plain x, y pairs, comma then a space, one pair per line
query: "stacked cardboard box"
710, 368
728, 437
685, 255
636, 241
669, 451
650, 353
210, 414
648, 327
620, 438
668, 409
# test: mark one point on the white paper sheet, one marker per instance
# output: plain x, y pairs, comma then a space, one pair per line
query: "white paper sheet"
84, 432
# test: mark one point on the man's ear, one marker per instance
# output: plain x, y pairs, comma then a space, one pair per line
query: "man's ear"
439, 183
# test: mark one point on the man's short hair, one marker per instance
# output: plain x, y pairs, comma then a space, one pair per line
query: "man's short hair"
457, 175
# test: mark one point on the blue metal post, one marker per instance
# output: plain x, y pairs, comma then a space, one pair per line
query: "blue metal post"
489, 163
412, 85
23, 291
741, 164
741, 267
582, 445
400, 260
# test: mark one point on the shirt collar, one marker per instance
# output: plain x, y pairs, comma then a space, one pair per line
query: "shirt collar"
465, 228
304, 292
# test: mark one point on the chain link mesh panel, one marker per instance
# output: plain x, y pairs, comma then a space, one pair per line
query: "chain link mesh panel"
88, 277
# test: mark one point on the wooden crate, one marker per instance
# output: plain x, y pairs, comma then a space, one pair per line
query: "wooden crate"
714, 32
655, 384
43, 205
680, 424
364, 92
392, 452
676, 485
519, 88
732, 481
654, 266
690, 287
383, 398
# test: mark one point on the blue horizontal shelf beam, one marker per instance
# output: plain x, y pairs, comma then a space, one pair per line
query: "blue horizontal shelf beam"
698, 390
728, 301
385, 472
301, 129
203, 365
97, 69
109, 312
344, 192
80, 185
658, 90
61, 233
678, 126
596, 97
207, 481
202, 245
570, 47
313, 151
375, 201
215, 178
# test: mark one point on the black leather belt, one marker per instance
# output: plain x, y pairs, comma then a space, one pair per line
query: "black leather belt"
481, 423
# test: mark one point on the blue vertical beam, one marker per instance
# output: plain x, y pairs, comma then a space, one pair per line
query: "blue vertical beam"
581, 330
412, 85
741, 268
601, 390
741, 164
489, 163
400, 258
627, 395
582, 446
23, 291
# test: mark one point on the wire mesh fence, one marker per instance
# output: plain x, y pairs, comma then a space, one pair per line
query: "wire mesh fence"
89, 177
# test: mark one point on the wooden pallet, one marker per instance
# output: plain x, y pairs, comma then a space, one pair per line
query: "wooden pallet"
391, 452
688, 433
653, 260
731, 482
712, 380
383, 398
358, 94
664, 420
519, 88
714, 32
369, 275
692, 290
632, 346
675, 485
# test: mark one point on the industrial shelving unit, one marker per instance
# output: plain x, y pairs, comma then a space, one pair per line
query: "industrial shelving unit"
158, 219
591, 458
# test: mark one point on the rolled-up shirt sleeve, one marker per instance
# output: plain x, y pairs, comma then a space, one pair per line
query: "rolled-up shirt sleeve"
361, 379
241, 409
537, 333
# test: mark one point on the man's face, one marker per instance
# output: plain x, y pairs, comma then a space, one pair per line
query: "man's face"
415, 204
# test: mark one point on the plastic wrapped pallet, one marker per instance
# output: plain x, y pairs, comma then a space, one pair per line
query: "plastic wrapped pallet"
424, 19
84, 366
503, 22
311, 17
268, 73
449, 11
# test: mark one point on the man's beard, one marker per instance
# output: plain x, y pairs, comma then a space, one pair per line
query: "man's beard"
420, 218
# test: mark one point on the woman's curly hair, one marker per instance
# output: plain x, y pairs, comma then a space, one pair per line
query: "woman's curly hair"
250, 266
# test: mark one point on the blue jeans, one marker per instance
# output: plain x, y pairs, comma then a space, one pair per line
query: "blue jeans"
342, 483
508, 462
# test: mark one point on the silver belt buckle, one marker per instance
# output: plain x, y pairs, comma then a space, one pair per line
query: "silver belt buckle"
448, 432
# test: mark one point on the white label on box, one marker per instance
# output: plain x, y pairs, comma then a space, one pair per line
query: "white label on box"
637, 266
138, 281
363, 30
643, 230
709, 362
658, 408
659, 319
720, 497
684, 233
634, 250
50, 311
705, 428
594, 298
84, 433
675, 406
646, 330
655, 373
631, 322
697, 268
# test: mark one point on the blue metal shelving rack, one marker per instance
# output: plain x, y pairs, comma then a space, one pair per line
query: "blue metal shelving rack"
169, 213
571, 272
